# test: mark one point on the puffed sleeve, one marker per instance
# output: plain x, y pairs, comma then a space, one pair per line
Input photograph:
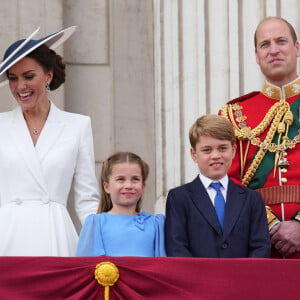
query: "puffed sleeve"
86, 190
90, 239
159, 235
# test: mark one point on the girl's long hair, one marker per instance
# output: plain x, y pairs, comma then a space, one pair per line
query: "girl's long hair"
118, 158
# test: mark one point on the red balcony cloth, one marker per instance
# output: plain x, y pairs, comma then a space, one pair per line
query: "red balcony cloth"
161, 278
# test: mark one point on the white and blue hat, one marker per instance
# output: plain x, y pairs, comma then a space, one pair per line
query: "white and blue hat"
21, 48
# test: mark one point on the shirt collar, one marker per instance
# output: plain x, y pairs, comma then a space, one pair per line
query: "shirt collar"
207, 181
281, 93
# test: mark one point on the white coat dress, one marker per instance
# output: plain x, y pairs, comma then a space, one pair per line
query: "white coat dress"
35, 182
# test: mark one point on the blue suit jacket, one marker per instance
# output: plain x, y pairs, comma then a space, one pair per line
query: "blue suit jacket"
192, 228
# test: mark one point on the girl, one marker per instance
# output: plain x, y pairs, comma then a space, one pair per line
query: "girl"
119, 228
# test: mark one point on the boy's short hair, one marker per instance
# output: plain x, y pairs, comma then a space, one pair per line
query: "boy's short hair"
214, 126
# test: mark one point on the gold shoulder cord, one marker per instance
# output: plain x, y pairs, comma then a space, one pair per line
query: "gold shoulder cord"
273, 119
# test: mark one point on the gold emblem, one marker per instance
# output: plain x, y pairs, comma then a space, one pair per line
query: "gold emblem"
106, 274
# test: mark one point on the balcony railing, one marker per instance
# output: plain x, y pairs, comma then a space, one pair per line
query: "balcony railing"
161, 278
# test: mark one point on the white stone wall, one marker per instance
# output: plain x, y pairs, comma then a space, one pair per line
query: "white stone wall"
144, 70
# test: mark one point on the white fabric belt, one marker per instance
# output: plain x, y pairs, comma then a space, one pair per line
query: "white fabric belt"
44, 200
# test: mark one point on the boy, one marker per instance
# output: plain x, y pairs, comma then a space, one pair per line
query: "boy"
220, 220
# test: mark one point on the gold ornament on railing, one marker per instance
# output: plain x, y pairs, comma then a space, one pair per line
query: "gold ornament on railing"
106, 274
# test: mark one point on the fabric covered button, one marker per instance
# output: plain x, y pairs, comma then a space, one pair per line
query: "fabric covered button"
45, 200
18, 201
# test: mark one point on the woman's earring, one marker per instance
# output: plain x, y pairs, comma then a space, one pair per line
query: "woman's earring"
47, 87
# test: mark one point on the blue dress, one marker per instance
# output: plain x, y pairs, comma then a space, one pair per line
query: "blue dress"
122, 235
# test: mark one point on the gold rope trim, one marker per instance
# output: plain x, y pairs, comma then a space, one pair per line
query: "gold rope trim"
272, 118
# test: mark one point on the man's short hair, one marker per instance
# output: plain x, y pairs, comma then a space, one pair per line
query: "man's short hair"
291, 28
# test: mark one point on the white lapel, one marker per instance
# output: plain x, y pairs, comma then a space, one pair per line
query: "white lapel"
50, 133
21, 138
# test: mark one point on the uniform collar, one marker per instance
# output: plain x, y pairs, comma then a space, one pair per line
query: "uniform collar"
281, 93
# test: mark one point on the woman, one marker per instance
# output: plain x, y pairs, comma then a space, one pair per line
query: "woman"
43, 151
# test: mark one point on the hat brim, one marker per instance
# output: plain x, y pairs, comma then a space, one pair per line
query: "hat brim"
52, 41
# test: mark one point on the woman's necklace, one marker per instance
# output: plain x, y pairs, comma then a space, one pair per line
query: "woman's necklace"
35, 131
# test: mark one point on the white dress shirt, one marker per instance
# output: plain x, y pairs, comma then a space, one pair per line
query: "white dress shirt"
211, 191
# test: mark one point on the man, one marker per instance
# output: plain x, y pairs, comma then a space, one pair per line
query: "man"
267, 128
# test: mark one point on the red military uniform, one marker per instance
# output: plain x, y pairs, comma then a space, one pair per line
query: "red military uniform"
267, 127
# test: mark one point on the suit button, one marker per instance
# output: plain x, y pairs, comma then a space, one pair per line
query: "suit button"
224, 246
